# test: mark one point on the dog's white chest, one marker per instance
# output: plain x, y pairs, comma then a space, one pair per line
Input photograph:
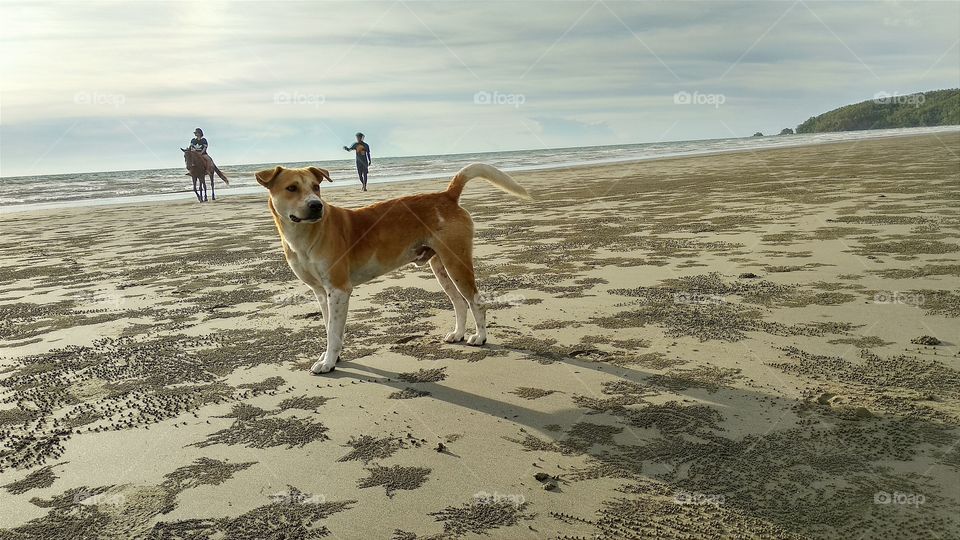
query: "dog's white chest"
309, 270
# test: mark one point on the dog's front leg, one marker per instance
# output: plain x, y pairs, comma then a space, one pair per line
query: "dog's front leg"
321, 294
338, 302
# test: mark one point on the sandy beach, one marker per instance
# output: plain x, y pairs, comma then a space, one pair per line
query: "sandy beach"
760, 344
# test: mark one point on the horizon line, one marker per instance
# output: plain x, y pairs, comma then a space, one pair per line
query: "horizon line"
408, 155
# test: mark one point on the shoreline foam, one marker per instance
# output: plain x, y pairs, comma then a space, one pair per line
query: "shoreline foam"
347, 182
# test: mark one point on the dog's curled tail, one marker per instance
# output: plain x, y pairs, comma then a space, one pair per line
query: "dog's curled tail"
489, 173
221, 175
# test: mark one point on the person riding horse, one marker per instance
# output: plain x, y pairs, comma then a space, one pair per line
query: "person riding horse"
199, 165
199, 144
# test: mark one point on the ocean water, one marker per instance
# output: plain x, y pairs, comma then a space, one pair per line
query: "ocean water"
37, 192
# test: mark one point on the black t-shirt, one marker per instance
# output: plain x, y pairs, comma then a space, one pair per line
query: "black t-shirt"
199, 145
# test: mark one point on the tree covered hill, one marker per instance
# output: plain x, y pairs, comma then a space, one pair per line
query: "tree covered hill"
884, 111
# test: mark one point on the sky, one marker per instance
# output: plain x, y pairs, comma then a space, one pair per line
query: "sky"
88, 86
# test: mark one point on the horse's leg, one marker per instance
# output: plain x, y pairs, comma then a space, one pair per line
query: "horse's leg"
213, 187
195, 190
203, 187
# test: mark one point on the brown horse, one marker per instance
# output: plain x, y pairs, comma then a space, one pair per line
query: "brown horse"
199, 168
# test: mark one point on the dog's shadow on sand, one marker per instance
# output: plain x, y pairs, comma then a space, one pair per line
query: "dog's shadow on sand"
749, 405
748, 469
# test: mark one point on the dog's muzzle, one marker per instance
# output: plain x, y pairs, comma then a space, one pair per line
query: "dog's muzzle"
314, 212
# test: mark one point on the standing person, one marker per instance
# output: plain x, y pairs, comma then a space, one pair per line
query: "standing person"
363, 159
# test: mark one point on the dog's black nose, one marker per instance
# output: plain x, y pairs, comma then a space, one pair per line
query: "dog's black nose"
315, 206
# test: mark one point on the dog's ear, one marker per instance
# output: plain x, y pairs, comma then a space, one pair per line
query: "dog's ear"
267, 176
321, 174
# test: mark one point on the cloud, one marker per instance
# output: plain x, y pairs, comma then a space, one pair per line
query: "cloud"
293, 82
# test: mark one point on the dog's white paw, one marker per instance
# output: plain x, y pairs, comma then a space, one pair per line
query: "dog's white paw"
453, 337
476, 340
322, 366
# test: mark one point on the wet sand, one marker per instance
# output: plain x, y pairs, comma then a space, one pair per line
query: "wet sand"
762, 344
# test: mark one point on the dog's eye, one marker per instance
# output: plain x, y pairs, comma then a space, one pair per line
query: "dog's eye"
316, 187
291, 188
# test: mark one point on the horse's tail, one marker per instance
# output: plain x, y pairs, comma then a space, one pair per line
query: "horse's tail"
221, 175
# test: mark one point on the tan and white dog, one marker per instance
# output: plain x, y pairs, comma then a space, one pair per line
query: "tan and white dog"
333, 249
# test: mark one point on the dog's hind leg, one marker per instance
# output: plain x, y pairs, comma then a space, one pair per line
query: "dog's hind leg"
459, 303
459, 266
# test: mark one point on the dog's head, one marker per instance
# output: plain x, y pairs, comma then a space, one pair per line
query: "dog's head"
295, 193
